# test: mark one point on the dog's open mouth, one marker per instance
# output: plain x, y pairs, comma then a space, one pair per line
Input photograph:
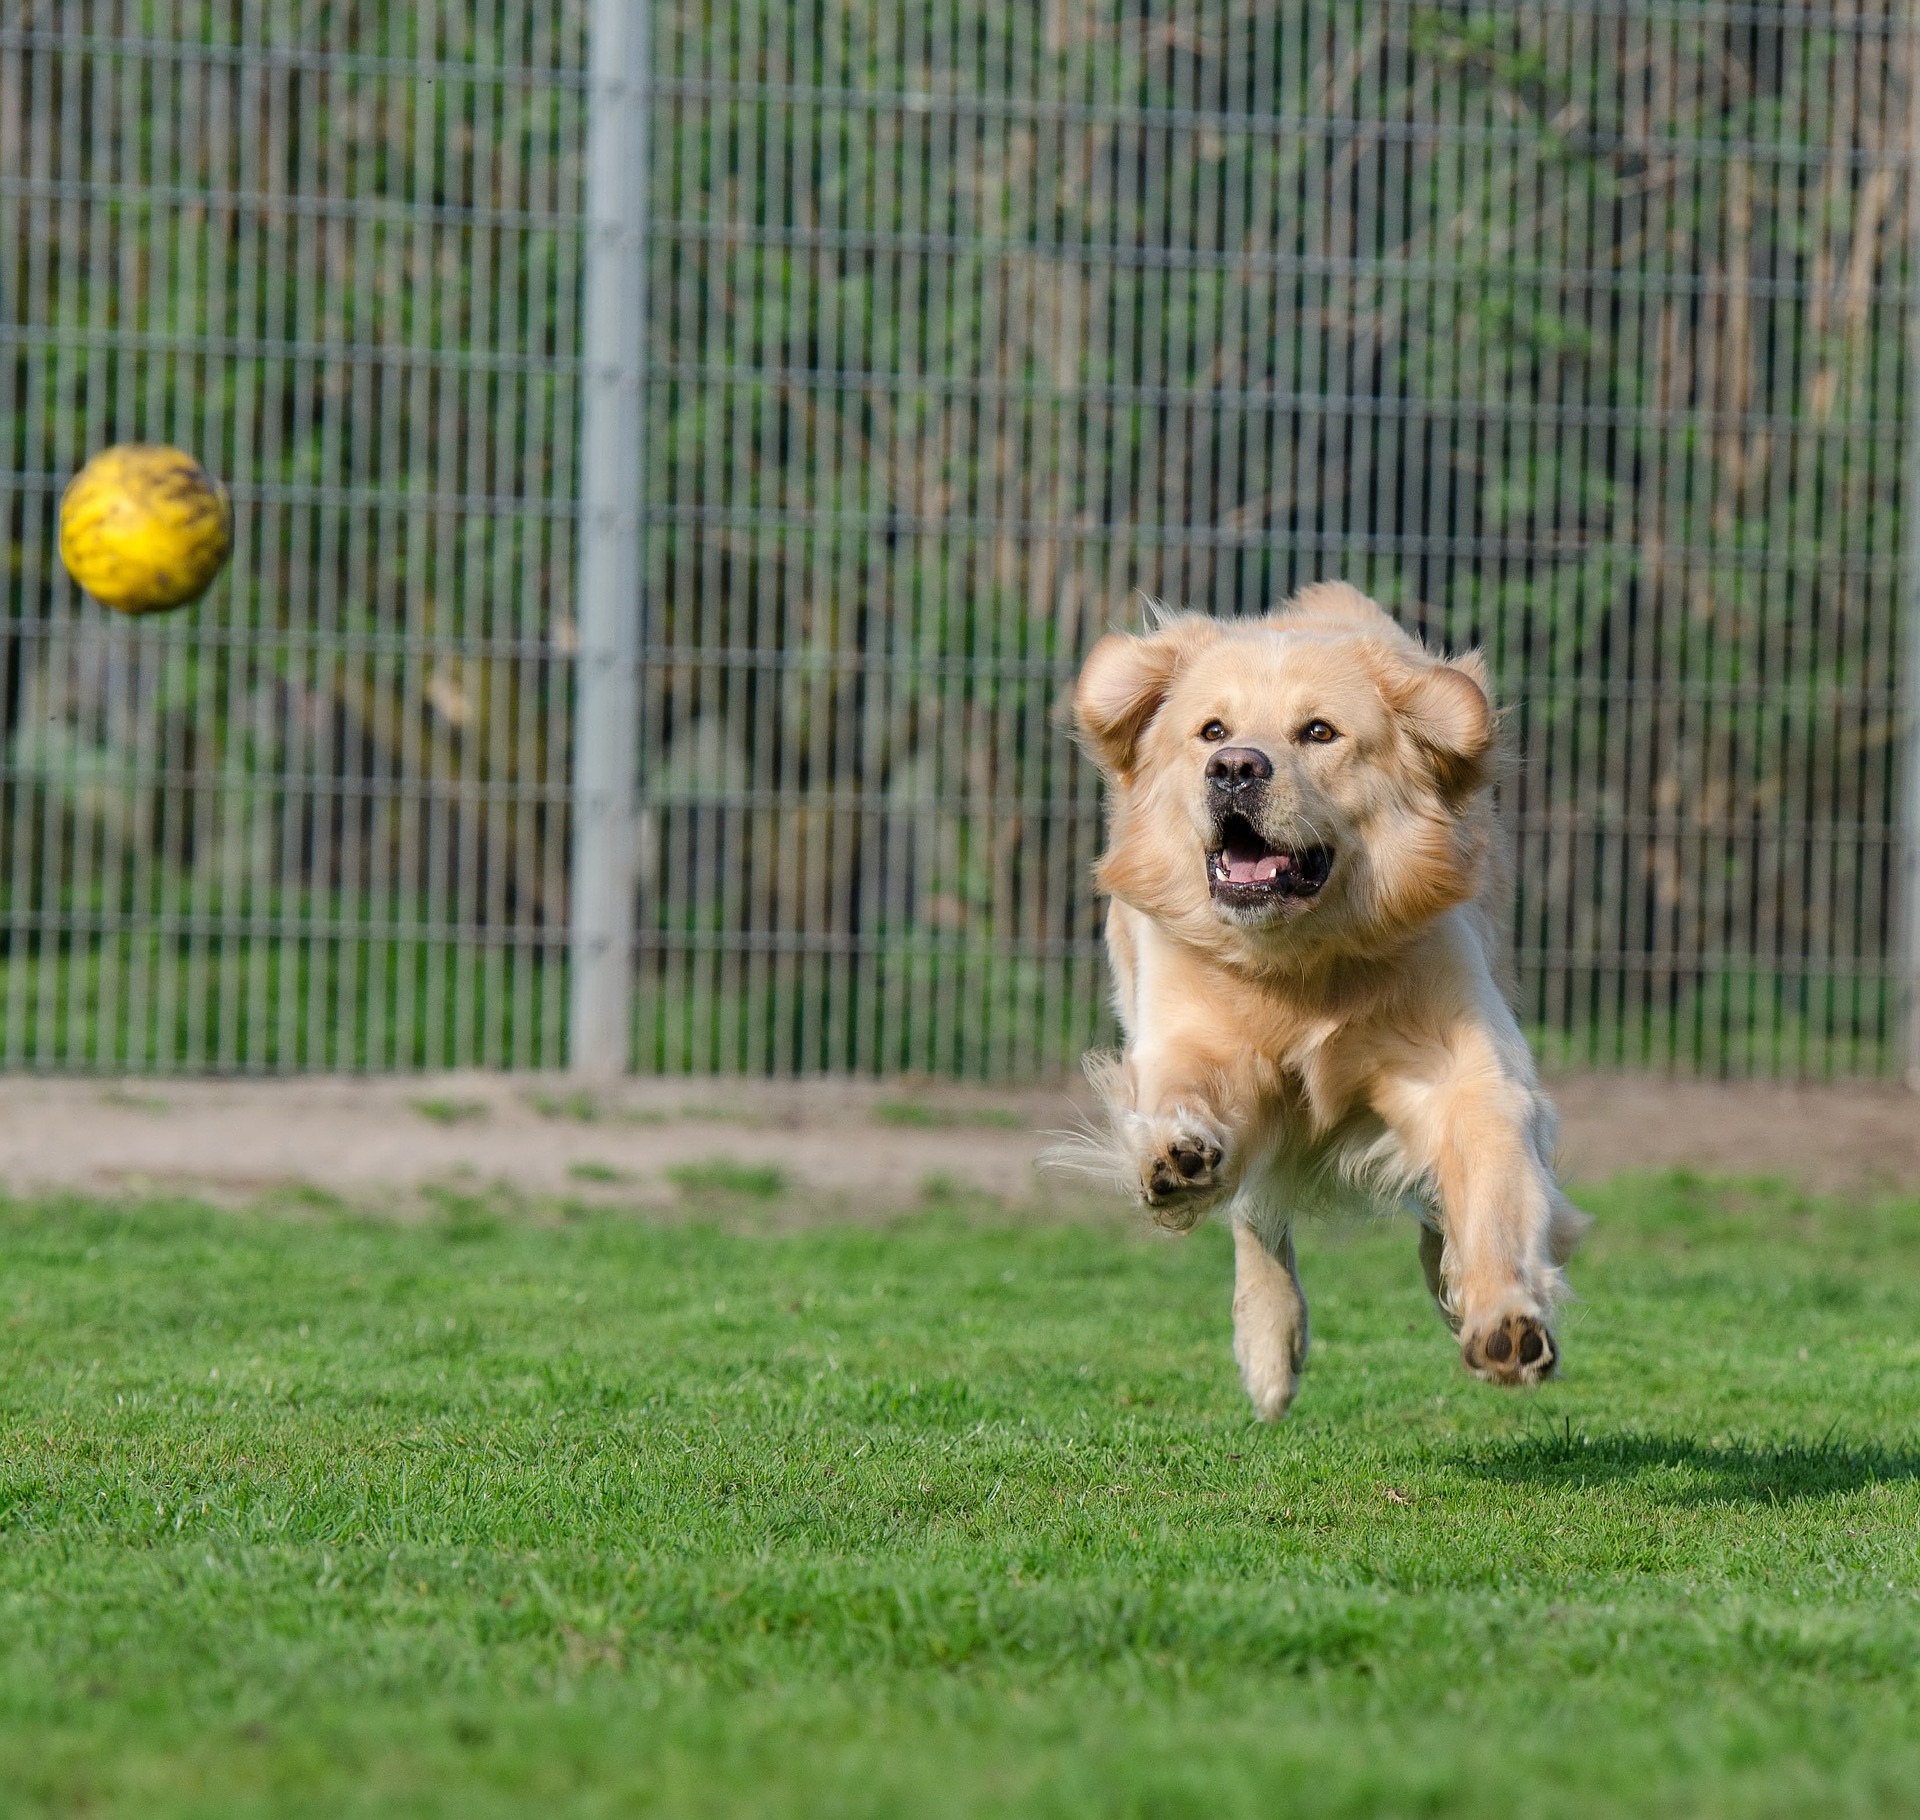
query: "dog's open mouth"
1247, 869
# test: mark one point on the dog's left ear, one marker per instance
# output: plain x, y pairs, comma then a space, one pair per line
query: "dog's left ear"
1447, 711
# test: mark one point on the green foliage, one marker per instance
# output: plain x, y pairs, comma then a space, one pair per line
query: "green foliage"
179, 991
311, 1514
369, 713
1575, 332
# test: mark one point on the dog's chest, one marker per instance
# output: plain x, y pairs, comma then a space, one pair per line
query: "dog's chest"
1358, 1167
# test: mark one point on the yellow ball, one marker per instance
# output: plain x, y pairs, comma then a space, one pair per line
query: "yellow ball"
144, 528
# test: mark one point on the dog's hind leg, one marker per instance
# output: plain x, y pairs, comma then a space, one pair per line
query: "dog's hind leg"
1433, 1266
1269, 1312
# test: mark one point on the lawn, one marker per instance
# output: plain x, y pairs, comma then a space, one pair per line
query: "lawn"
580, 1513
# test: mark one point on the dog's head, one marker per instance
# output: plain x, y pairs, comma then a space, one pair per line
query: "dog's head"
1306, 783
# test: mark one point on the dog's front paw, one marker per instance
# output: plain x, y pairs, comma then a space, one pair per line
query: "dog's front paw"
1182, 1171
1515, 1348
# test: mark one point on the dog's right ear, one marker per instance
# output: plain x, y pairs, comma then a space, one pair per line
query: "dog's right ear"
1123, 683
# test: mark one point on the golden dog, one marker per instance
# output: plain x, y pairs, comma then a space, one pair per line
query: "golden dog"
1306, 926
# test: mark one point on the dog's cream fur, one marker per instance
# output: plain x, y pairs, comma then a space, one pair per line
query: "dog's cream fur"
1350, 1045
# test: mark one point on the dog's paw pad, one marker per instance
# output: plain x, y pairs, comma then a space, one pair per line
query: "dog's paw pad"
1517, 1349
1180, 1176
1197, 1159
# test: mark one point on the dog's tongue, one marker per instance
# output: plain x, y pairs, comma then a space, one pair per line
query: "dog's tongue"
1255, 871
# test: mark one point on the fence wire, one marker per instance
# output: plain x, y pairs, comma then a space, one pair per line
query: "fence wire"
319, 820
1576, 331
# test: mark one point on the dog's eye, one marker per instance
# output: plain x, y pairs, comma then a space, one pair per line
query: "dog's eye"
1213, 732
1319, 732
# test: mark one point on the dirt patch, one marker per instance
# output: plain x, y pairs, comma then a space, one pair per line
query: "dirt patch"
1828, 1137
841, 1144
648, 1142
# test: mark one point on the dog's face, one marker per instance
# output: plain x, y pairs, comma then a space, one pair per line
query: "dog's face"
1289, 785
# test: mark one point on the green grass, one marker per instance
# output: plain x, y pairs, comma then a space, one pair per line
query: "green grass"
596, 1172
450, 1112
574, 1513
723, 1178
918, 1115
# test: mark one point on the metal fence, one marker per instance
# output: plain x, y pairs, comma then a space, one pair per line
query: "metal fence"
318, 821
787, 394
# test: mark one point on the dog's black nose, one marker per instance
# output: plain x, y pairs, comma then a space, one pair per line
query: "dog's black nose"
1234, 767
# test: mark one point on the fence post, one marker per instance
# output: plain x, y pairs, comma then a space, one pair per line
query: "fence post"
606, 664
1908, 833
1907, 984
1909, 830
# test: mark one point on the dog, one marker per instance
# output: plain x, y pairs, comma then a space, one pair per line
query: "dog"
1307, 892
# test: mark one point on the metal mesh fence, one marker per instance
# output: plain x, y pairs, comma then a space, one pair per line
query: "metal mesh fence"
319, 820
1577, 331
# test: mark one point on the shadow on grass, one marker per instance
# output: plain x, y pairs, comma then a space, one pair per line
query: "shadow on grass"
1677, 1469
